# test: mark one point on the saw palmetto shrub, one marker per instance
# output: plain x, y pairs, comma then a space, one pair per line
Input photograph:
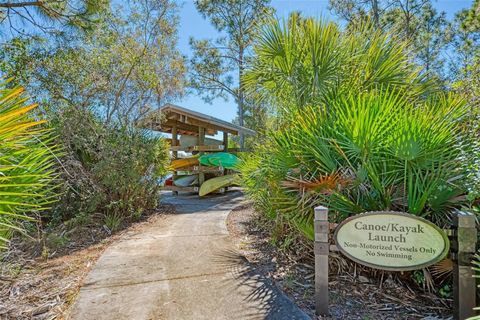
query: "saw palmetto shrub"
27, 158
361, 128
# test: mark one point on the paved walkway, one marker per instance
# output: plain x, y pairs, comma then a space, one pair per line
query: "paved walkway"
182, 267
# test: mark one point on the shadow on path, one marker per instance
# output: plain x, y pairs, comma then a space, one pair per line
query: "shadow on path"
269, 300
181, 267
192, 203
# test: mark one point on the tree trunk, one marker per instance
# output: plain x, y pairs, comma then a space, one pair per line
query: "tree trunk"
241, 96
376, 14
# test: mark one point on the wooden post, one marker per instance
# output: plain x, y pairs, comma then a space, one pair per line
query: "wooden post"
225, 141
174, 141
174, 153
321, 249
463, 249
201, 142
225, 149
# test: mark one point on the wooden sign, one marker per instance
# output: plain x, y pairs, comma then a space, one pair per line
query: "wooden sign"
391, 241
398, 241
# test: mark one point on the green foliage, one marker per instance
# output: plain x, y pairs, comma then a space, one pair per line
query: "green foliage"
108, 170
433, 41
27, 177
445, 291
95, 82
113, 222
50, 16
418, 277
217, 67
430, 40
17, 59
304, 61
362, 131
123, 68
425, 30
465, 43
465, 72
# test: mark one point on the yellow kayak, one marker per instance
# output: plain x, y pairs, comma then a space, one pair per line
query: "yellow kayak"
216, 183
185, 162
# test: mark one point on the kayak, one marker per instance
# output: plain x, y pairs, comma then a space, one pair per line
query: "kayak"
190, 141
169, 181
185, 162
185, 181
216, 183
220, 159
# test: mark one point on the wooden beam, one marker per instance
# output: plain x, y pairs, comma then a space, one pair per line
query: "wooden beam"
225, 140
184, 189
174, 141
207, 125
172, 116
237, 150
225, 143
201, 142
201, 136
197, 148
207, 122
180, 126
190, 129
187, 133
171, 112
197, 169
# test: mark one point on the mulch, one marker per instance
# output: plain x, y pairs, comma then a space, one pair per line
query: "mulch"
353, 293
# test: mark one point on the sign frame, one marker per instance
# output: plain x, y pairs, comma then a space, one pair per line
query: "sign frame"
438, 258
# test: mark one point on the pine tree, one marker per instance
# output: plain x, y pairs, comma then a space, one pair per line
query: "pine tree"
217, 66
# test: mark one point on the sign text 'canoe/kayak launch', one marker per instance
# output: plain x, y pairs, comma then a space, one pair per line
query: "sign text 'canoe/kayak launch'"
391, 241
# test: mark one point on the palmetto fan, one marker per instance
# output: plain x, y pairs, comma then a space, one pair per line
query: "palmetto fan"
350, 101
26, 162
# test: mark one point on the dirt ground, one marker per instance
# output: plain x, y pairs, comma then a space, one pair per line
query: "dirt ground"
352, 294
35, 287
42, 286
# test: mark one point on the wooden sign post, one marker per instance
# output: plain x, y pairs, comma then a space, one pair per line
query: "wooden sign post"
397, 241
321, 249
463, 249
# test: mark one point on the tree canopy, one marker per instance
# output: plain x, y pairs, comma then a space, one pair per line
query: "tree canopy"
217, 66
25, 17
124, 67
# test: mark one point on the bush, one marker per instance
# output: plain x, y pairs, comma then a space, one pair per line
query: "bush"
107, 170
361, 131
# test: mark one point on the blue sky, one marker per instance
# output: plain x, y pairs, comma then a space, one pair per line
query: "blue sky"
193, 25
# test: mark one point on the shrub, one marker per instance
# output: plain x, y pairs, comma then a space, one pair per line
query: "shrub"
27, 178
307, 62
108, 170
361, 131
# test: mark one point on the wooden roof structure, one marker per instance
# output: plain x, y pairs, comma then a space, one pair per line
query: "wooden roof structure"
171, 118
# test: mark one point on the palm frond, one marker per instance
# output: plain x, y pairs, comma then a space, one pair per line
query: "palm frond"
26, 161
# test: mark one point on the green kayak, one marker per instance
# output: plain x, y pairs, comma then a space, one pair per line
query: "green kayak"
220, 159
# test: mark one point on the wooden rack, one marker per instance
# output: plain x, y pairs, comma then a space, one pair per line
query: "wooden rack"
204, 169
197, 170
177, 121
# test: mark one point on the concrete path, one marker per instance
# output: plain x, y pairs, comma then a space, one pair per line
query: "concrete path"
183, 267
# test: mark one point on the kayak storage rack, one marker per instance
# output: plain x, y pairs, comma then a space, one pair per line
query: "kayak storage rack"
188, 130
